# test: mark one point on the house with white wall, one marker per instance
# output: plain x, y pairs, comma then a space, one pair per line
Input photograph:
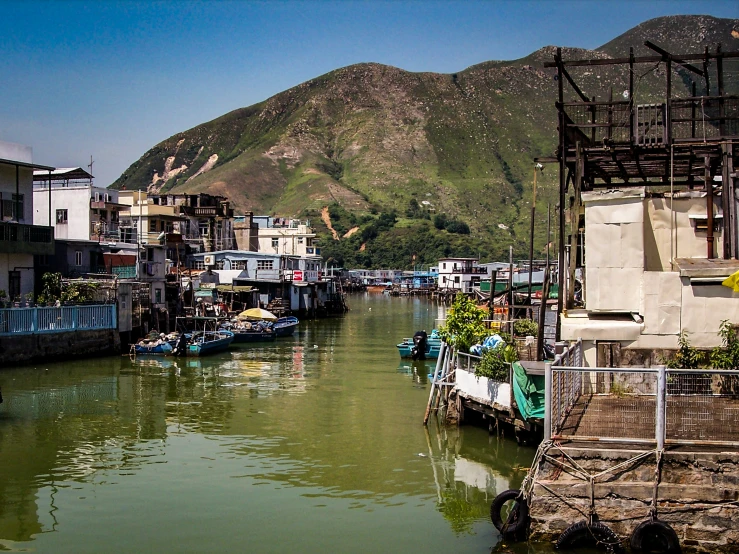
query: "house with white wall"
20, 239
460, 274
79, 209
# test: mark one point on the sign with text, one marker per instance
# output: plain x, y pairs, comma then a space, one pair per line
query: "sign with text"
297, 275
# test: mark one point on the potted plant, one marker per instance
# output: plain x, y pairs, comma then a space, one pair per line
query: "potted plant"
3, 298
29, 299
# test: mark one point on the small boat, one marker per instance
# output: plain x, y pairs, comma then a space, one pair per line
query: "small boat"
285, 326
250, 331
156, 344
421, 346
244, 335
209, 342
156, 348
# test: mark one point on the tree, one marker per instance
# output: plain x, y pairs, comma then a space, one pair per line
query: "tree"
464, 326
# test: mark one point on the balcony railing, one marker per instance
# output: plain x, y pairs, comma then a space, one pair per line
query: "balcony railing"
29, 321
18, 238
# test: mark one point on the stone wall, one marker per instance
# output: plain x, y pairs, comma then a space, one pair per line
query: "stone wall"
694, 493
52, 347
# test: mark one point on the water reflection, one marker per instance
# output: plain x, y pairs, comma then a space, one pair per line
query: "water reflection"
321, 428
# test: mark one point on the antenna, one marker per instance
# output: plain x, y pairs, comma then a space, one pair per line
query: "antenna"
90, 167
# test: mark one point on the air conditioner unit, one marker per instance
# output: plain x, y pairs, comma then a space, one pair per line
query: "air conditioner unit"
210, 259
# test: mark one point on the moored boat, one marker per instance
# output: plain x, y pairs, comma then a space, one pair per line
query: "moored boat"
421, 346
285, 326
159, 347
209, 342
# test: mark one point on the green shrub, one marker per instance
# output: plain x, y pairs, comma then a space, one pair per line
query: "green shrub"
686, 357
464, 324
726, 356
525, 327
495, 362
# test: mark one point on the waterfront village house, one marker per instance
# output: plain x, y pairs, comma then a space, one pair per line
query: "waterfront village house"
460, 274
275, 235
79, 209
636, 294
203, 222
295, 280
19, 239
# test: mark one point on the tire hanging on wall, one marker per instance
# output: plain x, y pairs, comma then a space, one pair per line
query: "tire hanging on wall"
655, 537
593, 535
517, 520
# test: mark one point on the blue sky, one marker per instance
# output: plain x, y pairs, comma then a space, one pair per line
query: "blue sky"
112, 79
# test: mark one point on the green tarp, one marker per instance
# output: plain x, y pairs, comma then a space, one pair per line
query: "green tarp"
529, 392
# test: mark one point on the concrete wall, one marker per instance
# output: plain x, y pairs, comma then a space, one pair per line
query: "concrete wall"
691, 496
49, 346
614, 250
687, 242
75, 199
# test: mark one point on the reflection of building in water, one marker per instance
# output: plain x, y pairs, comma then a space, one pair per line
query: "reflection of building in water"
480, 476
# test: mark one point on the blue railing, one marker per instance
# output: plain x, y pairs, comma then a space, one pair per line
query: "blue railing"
28, 321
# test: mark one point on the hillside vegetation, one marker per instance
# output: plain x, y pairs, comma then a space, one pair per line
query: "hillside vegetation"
425, 164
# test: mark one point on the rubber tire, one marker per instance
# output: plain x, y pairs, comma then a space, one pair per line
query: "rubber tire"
649, 532
518, 519
596, 535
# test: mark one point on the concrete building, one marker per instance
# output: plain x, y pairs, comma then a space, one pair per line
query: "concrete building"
20, 240
460, 274
275, 235
79, 209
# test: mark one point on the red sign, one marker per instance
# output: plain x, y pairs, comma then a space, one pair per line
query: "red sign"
297, 275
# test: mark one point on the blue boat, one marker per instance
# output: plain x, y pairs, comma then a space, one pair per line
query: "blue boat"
243, 335
155, 348
421, 346
209, 342
285, 326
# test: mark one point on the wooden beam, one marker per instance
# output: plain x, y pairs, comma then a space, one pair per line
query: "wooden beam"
641, 59
667, 56
574, 85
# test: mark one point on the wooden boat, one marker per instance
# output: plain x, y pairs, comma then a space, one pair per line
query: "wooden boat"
420, 346
285, 326
202, 343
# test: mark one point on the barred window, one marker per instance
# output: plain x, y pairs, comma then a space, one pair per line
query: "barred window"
264, 264
61, 217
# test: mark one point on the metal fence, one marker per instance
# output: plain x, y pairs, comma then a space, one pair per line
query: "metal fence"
26, 321
641, 405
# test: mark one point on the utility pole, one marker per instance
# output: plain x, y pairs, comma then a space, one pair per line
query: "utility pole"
138, 238
537, 166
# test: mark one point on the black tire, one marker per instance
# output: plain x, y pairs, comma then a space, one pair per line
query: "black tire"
515, 522
596, 535
655, 537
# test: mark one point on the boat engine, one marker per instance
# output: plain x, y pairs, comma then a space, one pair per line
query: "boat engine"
418, 351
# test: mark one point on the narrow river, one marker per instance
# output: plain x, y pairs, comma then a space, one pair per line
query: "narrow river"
312, 443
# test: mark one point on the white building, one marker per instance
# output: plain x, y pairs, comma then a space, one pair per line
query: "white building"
286, 236
19, 239
460, 274
647, 275
79, 209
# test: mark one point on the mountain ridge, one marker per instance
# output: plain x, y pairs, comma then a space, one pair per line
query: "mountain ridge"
370, 139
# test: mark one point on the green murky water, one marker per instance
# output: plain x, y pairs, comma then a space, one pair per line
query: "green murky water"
313, 443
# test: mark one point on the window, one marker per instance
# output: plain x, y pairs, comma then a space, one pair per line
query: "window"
264, 264
443, 266
114, 216
78, 258
152, 225
157, 296
149, 254
300, 240
275, 243
13, 207
61, 217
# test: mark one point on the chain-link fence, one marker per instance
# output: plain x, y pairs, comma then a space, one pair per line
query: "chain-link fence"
642, 405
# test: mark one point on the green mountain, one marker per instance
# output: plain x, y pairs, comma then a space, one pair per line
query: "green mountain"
422, 164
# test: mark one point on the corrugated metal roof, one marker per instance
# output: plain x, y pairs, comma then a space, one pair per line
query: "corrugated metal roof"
62, 173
